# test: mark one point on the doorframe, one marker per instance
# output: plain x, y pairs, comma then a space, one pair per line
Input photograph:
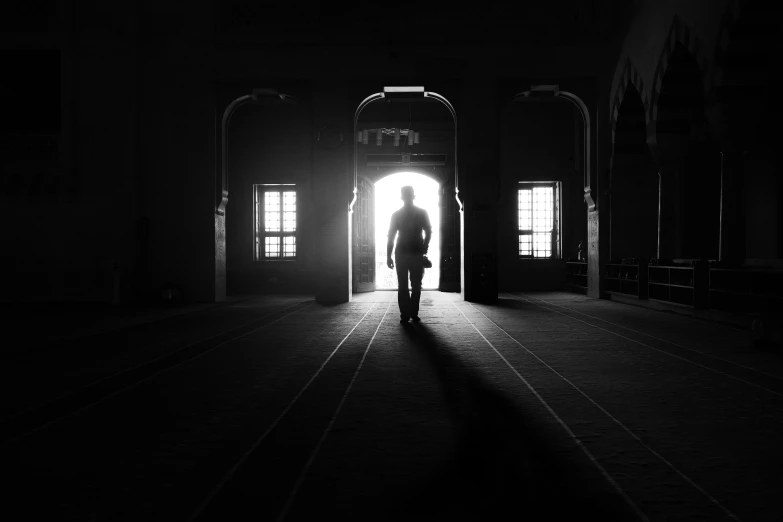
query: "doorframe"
410, 92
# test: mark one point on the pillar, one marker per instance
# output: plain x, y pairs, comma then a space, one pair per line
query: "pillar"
333, 184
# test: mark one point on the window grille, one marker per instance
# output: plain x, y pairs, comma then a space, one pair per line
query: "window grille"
275, 230
537, 220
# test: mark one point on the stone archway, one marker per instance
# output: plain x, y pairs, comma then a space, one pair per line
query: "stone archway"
593, 279
221, 178
452, 187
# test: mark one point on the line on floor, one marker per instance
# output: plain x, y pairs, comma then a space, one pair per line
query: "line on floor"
642, 516
613, 418
269, 430
292, 495
106, 397
675, 315
663, 351
646, 334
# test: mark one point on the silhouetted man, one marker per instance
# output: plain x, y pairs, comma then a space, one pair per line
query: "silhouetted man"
409, 222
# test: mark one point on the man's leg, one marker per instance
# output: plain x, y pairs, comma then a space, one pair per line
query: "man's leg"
403, 297
417, 274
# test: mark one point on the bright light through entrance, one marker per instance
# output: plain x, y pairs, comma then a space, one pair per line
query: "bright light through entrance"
387, 201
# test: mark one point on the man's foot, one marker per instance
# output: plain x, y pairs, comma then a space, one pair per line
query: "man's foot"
416, 319
404, 318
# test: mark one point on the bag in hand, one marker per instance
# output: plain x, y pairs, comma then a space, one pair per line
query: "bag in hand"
426, 262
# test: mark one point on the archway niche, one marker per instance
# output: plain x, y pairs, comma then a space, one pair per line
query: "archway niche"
634, 184
689, 164
576, 215
265, 141
434, 155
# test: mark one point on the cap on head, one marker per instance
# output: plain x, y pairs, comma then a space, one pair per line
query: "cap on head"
406, 192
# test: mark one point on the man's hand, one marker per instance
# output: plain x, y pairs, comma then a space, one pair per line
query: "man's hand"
390, 263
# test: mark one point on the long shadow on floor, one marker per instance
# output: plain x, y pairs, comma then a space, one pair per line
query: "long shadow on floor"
505, 463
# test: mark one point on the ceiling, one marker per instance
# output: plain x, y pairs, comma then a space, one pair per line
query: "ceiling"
406, 22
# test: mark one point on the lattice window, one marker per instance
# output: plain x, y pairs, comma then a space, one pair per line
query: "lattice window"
538, 220
275, 222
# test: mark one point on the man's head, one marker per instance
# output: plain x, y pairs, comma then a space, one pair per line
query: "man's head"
406, 194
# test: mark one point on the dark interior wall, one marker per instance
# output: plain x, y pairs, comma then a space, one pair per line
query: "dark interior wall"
177, 123
269, 143
761, 191
634, 185
748, 91
538, 144
68, 144
634, 207
702, 200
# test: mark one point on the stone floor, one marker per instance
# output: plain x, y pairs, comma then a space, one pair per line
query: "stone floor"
544, 406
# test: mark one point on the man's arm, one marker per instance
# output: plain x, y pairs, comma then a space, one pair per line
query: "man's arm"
390, 239
427, 231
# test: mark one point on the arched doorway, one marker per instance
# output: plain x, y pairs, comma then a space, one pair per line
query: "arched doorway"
387, 201
391, 116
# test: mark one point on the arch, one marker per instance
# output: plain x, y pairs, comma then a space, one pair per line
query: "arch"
414, 92
222, 192
680, 100
630, 122
256, 96
682, 33
426, 94
554, 90
630, 76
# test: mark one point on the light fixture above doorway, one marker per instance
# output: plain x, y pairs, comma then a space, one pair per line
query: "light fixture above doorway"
403, 92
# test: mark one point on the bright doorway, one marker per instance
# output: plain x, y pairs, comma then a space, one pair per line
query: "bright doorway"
387, 201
